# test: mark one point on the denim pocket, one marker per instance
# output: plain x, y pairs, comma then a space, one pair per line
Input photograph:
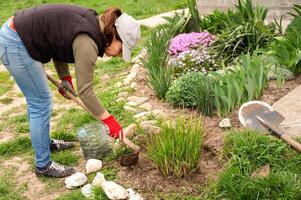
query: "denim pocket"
3, 55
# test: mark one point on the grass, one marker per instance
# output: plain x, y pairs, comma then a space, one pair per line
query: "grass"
248, 150
8, 189
176, 151
16, 146
6, 100
5, 82
67, 157
136, 8
19, 123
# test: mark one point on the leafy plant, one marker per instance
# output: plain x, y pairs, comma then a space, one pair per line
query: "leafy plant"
176, 150
195, 17
244, 81
297, 9
193, 89
160, 76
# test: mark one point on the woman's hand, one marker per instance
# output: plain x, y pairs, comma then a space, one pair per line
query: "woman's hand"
115, 130
67, 85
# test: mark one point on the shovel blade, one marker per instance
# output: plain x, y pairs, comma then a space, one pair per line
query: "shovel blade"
249, 112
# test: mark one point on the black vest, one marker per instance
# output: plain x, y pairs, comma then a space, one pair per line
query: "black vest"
49, 30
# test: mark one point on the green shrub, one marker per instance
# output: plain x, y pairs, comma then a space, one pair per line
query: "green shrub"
193, 89
247, 151
176, 150
160, 76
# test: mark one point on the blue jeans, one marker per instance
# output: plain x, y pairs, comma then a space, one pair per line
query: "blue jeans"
31, 78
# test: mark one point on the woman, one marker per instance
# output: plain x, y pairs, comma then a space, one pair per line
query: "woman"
65, 34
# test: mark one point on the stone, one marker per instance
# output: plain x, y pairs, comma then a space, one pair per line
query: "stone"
120, 99
130, 130
133, 195
123, 94
225, 123
75, 180
146, 106
93, 165
141, 115
130, 103
130, 109
158, 113
149, 122
261, 172
133, 85
127, 81
138, 100
150, 129
118, 84
110, 188
105, 78
87, 191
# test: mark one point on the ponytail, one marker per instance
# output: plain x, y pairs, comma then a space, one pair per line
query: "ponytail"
109, 18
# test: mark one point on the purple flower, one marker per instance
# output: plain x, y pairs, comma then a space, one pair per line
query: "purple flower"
186, 41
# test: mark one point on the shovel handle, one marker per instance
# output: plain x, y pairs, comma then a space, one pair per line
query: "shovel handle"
130, 144
290, 141
69, 94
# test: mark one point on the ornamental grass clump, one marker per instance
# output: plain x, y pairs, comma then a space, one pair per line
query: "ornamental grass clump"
176, 150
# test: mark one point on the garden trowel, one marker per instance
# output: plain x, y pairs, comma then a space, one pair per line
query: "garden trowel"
262, 117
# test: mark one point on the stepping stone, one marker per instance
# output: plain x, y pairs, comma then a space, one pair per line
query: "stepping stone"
146, 106
138, 100
130, 109
290, 107
149, 122
150, 129
225, 123
141, 115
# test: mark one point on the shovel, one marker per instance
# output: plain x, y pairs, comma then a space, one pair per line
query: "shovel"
262, 117
126, 160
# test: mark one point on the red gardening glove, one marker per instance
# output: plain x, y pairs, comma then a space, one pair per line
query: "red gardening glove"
114, 127
67, 85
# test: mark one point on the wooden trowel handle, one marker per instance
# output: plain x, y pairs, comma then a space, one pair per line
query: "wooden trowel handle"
130, 144
296, 145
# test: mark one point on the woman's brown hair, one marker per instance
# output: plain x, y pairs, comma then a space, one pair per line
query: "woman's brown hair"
109, 18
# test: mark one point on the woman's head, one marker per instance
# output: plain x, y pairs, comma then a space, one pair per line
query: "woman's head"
121, 33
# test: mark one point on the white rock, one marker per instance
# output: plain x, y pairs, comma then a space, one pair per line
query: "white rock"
118, 84
150, 129
130, 109
130, 103
158, 113
87, 191
120, 99
140, 115
138, 100
130, 130
111, 189
135, 69
146, 106
225, 123
105, 78
123, 94
149, 122
133, 195
75, 180
133, 85
93, 165
127, 81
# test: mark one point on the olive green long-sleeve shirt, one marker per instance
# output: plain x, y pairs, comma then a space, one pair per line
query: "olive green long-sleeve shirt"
85, 53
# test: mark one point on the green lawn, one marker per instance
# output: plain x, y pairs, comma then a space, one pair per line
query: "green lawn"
137, 8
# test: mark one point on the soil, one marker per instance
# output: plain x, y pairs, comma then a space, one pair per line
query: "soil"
144, 176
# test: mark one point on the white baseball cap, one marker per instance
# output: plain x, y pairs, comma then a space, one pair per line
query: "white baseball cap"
129, 31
